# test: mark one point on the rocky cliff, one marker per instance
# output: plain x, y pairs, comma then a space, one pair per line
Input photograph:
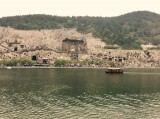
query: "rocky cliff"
46, 46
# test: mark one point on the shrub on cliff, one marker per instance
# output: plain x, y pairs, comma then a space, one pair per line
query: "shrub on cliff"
112, 64
25, 62
87, 62
60, 63
112, 47
16, 62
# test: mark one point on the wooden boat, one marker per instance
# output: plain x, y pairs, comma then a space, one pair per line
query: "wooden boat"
114, 70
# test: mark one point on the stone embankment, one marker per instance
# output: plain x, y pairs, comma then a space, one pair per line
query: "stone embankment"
46, 46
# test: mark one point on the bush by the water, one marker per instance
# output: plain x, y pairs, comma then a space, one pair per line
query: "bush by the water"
60, 62
91, 62
17, 62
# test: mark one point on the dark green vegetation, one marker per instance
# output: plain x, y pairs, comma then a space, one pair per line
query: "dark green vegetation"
68, 63
60, 62
129, 30
111, 47
16, 62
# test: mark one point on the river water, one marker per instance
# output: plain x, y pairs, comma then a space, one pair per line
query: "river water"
79, 94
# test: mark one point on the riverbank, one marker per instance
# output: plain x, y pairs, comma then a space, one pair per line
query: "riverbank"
50, 67
37, 67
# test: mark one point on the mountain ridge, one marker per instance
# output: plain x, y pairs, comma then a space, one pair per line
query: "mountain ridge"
129, 31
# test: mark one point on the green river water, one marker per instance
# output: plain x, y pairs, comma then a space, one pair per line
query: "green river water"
79, 94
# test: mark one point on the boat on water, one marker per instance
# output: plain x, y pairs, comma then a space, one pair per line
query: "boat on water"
114, 70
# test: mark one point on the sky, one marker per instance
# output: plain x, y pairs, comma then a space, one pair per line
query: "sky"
105, 8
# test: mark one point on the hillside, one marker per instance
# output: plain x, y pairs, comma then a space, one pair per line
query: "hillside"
128, 31
67, 47
46, 40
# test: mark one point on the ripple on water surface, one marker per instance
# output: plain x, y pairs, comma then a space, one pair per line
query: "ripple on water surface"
97, 97
48, 105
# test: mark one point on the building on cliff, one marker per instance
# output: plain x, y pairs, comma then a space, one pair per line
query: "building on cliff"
74, 46
78, 45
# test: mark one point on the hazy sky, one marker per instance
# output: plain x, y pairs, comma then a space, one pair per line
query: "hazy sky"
76, 7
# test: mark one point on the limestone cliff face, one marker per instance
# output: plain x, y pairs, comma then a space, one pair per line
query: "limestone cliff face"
33, 42
70, 45
49, 38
